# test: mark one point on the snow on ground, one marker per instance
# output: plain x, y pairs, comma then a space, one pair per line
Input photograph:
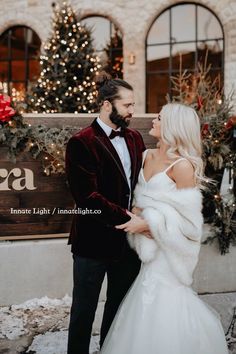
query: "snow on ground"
39, 326
43, 302
55, 343
11, 327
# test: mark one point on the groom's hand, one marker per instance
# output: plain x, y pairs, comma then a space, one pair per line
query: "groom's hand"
135, 225
137, 211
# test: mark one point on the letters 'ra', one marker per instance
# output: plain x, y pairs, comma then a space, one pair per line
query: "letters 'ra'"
23, 179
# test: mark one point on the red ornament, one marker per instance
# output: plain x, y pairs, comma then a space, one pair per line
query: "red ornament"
229, 125
205, 129
199, 102
6, 111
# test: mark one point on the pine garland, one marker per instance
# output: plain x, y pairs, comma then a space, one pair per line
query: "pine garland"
47, 144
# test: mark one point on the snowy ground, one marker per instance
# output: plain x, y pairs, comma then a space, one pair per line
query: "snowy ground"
39, 326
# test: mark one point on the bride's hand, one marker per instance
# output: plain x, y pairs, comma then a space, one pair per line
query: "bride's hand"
147, 234
135, 225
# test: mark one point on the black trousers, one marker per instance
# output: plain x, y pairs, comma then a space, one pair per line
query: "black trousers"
88, 277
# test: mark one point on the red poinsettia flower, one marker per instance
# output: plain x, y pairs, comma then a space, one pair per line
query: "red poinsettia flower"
6, 111
205, 129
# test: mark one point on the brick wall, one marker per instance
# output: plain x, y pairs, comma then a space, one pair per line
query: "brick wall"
134, 17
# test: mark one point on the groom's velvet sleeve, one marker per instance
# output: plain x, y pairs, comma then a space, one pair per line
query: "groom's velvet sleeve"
82, 174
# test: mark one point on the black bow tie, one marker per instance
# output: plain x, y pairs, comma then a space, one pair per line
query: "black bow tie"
115, 133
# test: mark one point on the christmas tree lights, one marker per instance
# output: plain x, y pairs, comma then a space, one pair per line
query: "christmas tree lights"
68, 67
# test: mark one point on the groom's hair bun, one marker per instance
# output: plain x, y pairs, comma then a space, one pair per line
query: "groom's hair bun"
102, 78
108, 88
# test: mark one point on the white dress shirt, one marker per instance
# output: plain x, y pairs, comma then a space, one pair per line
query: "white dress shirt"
121, 148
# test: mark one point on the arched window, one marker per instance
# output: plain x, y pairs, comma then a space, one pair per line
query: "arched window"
19, 65
184, 34
107, 42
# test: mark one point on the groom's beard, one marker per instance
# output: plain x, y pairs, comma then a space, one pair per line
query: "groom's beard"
119, 120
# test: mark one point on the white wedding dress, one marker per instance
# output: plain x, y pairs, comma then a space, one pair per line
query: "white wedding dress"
160, 315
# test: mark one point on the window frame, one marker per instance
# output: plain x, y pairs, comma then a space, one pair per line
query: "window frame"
112, 25
26, 58
170, 71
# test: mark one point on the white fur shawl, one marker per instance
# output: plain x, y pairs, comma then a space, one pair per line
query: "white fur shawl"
175, 221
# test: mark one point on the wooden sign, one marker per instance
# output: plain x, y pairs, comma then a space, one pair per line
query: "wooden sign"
30, 200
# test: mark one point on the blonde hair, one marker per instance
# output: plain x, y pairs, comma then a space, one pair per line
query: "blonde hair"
180, 130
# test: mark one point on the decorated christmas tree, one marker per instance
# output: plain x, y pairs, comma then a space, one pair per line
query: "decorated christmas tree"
214, 109
68, 66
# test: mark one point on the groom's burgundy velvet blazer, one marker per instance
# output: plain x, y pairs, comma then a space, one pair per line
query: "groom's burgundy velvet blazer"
100, 189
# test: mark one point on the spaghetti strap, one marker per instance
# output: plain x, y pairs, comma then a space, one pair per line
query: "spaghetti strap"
175, 162
144, 156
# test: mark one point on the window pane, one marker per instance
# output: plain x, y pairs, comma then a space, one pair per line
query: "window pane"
183, 55
34, 70
159, 32
3, 71
158, 57
157, 88
18, 70
183, 23
34, 44
208, 25
3, 47
212, 51
107, 41
17, 42
100, 31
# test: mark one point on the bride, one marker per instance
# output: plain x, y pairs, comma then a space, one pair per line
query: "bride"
161, 314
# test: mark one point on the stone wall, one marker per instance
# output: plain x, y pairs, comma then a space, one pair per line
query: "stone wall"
134, 18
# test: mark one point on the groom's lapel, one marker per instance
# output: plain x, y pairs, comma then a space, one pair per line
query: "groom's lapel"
108, 147
129, 138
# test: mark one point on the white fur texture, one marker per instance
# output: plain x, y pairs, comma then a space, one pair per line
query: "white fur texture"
175, 221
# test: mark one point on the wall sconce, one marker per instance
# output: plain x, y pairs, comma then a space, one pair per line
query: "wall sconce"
132, 58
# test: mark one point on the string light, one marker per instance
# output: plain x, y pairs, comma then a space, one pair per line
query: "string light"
65, 17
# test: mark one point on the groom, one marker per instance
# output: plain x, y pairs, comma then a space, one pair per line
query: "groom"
102, 164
